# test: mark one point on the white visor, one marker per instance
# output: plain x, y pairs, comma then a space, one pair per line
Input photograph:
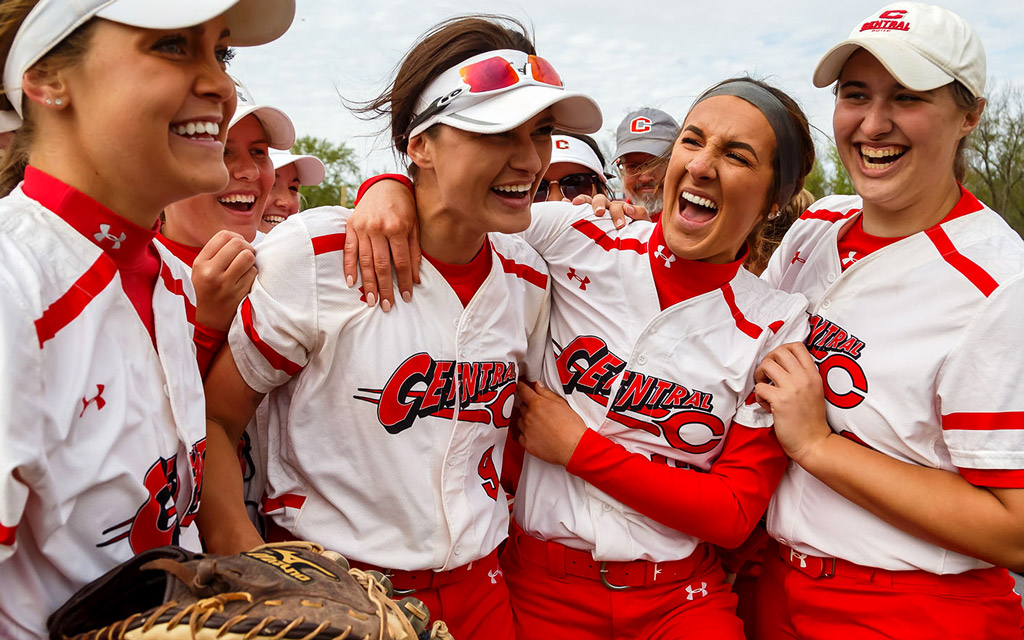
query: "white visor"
574, 150
453, 103
276, 124
310, 169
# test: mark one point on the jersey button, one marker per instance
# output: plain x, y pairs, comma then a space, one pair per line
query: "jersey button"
607, 507
642, 359
831, 277
455, 323
458, 549
167, 391
826, 304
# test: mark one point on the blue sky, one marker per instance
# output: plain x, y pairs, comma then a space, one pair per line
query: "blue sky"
624, 54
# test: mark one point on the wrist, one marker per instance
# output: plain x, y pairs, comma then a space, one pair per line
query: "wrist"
369, 182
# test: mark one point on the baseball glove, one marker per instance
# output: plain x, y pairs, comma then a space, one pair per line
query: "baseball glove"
292, 590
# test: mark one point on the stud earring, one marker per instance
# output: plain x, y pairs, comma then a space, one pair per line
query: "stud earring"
49, 101
773, 215
58, 102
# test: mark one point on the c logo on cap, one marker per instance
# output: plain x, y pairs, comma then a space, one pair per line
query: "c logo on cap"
640, 125
561, 144
893, 14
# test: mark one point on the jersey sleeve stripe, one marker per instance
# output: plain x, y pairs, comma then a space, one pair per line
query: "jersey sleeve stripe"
744, 325
176, 287
288, 500
997, 478
970, 270
328, 243
828, 216
7, 535
983, 421
526, 272
67, 307
592, 231
275, 359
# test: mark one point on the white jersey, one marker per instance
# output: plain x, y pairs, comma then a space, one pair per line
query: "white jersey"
666, 384
386, 441
102, 436
918, 343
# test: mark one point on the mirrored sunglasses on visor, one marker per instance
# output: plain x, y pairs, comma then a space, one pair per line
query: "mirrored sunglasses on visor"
482, 76
571, 186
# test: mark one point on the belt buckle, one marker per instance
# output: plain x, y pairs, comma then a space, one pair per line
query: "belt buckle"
830, 572
390, 573
604, 579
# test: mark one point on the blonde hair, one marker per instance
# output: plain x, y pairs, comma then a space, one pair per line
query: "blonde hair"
66, 54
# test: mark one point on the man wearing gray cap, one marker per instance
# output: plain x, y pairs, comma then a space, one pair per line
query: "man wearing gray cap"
643, 140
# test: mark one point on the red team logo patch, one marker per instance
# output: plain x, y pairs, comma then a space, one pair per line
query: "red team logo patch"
156, 523
640, 125
561, 144
422, 386
888, 21
660, 407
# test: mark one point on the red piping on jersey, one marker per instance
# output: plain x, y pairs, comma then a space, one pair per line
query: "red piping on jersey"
775, 326
526, 272
998, 478
174, 286
288, 500
602, 240
328, 243
984, 421
275, 359
825, 214
66, 308
744, 325
7, 535
970, 270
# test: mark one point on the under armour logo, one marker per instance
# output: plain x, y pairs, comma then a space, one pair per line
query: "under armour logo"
584, 281
493, 575
797, 259
850, 259
702, 591
98, 399
669, 259
796, 555
104, 234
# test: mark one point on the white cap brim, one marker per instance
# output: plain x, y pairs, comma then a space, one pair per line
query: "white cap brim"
911, 69
574, 112
251, 22
276, 124
310, 169
577, 152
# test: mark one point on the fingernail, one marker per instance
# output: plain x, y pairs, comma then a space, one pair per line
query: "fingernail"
371, 299
407, 296
619, 222
385, 305
541, 385
349, 281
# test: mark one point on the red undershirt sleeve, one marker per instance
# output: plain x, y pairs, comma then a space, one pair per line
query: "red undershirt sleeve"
721, 506
208, 342
369, 182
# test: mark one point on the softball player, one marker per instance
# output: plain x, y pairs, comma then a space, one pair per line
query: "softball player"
290, 173
101, 439
392, 455
650, 445
909, 445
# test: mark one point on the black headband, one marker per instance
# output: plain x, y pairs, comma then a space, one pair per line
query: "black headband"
787, 138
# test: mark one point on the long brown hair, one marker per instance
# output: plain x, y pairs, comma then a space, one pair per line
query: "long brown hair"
442, 47
68, 53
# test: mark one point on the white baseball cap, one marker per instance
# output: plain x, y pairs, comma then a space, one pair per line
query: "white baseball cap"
251, 22
276, 124
451, 99
310, 169
923, 46
570, 149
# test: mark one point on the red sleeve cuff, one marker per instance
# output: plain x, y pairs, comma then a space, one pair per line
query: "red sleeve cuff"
369, 182
995, 478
